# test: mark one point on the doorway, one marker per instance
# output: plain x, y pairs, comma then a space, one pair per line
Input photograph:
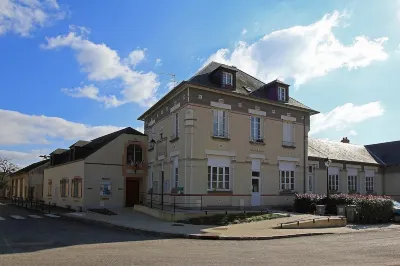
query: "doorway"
132, 192
255, 191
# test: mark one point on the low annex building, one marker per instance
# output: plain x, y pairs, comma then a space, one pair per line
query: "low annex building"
106, 172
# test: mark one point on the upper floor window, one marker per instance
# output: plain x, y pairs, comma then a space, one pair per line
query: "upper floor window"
288, 134
220, 124
134, 154
281, 94
175, 124
227, 79
256, 129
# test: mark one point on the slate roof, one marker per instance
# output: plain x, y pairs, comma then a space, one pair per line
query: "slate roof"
387, 152
243, 80
94, 145
30, 167
319, 148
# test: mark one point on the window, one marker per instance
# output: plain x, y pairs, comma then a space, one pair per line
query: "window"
76, 187
227, 79
255, 173
333, 182
175, 123
310, 169
288, 134
105, 188
218, 178
281, 94
256, 129
369, 183
220, 124
352, 183
175, 172
64, 187
49, 187
287, 180
134, 154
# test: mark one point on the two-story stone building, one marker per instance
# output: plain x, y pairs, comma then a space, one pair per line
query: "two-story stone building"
228, 138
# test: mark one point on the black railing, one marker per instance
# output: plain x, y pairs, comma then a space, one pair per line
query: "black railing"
172, 202
31, 203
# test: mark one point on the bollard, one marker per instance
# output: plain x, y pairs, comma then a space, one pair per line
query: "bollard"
328, 219
313, 220
298, 223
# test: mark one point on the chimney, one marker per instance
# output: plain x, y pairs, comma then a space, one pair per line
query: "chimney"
345, 140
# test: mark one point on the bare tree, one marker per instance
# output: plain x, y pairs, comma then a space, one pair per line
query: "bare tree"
6, 168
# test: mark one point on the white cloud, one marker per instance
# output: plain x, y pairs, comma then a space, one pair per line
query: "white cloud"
244, 31
24, 16
302, 52
136, 56
92, 92
158, 62
140, 129
352, 133
39, 129
345, 116
170, 85
23, 158
101, 63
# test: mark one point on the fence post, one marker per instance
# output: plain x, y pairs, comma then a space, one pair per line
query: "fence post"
174, 203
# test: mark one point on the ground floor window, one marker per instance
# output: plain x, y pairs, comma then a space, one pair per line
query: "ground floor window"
369, 183
49, 187
333, 182
76, 187
352, 183
287, 180
64, 187
218, 178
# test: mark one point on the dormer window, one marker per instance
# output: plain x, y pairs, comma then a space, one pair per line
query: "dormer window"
281, 94
227, 79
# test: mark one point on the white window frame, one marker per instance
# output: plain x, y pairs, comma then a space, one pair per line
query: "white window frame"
281, 94
369, 183
223, 178
352, 183
227, 79
287, 180
288, 134
220, 123
333, 182
256, 134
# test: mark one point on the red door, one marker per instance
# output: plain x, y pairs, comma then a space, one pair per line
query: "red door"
132, 192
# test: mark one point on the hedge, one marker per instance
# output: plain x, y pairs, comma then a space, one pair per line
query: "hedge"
370, 209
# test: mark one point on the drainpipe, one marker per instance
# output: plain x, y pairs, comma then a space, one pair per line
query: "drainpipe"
305, 154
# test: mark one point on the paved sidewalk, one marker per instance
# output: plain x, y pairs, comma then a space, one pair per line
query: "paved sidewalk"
262, 230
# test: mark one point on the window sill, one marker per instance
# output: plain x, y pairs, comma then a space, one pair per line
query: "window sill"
227, 192
221, 138
257, 142
286, 146
174, 138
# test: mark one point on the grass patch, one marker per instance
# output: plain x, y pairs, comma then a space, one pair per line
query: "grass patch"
232, 218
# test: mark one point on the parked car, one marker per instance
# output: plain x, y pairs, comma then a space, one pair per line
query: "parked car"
396, 208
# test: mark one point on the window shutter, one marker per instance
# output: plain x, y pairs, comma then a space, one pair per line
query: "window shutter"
262, 128
293, 133
173, 124
226, 123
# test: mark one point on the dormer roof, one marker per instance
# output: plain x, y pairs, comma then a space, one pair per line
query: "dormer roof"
79, 143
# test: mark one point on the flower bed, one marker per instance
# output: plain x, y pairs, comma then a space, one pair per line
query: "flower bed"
370, 209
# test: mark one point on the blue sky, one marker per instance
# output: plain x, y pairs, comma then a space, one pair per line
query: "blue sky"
81, 69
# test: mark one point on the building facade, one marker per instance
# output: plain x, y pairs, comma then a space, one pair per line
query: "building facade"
107, 172
224, 138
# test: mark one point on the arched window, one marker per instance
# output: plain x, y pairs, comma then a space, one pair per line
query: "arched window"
134, 154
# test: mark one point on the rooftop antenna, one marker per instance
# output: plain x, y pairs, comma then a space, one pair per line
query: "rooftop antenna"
45, 157
172, 75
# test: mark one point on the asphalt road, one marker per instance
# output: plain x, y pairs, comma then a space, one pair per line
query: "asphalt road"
50, 241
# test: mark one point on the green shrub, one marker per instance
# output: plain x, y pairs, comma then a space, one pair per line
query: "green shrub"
370, 209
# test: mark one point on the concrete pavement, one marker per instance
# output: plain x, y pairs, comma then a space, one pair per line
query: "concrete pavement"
263, 230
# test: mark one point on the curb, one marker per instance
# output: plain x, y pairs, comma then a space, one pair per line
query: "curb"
188, 236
